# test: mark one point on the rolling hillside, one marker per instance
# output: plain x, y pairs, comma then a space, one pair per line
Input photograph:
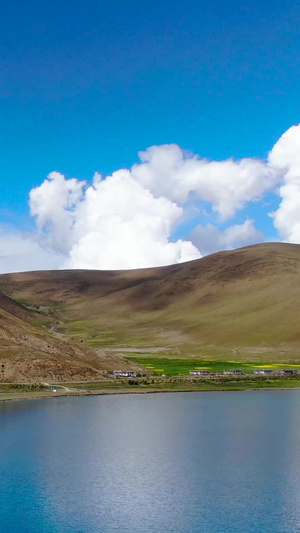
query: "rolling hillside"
238, 304
32, 353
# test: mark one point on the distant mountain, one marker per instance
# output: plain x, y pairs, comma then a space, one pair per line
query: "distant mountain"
66, 324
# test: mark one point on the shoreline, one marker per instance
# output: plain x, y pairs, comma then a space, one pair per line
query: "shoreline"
19, 396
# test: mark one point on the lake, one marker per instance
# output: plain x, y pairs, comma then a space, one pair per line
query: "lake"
186, 462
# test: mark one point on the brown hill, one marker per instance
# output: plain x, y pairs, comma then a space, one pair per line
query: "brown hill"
242, 303
29, 352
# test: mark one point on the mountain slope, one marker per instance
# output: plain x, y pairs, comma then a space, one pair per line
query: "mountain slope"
243, 302
28, 353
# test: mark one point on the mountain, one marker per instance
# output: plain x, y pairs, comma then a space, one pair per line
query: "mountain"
76, 323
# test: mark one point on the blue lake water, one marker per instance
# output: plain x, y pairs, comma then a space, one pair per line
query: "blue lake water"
185, 462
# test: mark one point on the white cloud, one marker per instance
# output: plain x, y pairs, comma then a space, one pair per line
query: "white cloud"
227, 185
285, 157
127, 220
21, 252
114, 224
53, 203
211, 239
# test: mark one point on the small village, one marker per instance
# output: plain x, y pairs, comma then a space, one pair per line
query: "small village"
206, 374
238, 372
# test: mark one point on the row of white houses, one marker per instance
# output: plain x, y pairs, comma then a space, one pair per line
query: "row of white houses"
238, 372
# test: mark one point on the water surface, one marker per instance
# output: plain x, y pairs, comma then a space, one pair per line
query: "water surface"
225, 462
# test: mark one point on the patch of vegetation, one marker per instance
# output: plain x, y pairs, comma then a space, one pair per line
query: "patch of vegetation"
41, 321
174, 366
22, 387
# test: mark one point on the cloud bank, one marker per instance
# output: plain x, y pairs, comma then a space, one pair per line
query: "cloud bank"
23, 252
114, 223
171, 207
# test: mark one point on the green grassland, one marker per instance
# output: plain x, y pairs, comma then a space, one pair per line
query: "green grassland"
22, 387
174, 366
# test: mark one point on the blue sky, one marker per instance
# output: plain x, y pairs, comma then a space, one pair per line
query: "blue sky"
84, 86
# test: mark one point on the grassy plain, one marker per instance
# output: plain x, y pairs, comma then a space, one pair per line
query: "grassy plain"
175, 366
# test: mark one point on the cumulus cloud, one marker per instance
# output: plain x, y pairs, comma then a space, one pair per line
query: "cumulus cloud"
285, 157
129, 219
53, 204
211, 239
227, 185
115, 223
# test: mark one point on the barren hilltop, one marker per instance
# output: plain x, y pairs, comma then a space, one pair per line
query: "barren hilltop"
71, 325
